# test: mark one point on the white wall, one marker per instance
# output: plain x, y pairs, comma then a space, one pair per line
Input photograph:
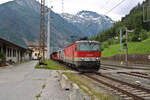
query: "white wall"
17, 57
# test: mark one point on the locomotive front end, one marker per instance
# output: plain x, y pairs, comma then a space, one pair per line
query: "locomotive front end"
88, 55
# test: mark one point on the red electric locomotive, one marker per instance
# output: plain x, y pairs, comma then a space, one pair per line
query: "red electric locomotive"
84, 55
54, 56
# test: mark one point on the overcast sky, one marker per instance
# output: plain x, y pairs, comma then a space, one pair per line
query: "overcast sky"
99, 6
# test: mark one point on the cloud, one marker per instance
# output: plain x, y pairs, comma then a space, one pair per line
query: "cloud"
100, 6
3, 1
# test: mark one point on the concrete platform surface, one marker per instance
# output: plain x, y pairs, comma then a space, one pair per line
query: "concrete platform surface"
24, 82
53, 90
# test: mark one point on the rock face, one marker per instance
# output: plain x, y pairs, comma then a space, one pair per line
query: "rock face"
20, 23
90, 23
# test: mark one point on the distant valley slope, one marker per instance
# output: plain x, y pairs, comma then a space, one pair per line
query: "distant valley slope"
20, 23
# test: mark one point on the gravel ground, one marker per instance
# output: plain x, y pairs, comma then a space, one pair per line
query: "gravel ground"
132, 79
109, 71
128, 78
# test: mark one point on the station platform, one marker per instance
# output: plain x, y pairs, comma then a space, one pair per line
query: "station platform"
53, 90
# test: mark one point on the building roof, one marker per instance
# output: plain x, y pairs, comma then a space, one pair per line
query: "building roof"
86, 41
8, 42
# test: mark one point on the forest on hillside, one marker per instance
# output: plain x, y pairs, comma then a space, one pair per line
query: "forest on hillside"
132, 21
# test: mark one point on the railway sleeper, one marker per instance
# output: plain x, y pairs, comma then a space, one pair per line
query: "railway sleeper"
138, 93
145, 95
147, 98
135, 91
128, 98
123, 95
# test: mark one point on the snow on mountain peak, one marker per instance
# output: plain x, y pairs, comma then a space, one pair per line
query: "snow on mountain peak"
29, 3
89, 21
85, 13
84, 16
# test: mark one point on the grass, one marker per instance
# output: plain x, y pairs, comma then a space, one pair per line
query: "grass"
133, 48
88, 89
37, 96
51, 65
43, 86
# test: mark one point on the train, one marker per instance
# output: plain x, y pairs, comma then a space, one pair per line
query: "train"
83, 55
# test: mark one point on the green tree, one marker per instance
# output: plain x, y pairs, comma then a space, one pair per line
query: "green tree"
143, 34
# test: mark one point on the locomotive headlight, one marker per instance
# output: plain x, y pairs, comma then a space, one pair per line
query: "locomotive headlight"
97, 58
82, 58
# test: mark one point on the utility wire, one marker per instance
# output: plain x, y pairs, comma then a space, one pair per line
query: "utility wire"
123, 10
62, 9
106, 3
115, 6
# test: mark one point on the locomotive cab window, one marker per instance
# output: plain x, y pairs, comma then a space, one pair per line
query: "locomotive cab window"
88, 46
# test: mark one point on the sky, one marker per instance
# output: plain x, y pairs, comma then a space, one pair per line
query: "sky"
99, 6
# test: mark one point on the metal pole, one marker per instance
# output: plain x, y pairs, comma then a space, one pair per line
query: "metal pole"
126, 56
120, 40
48, 35
148, 12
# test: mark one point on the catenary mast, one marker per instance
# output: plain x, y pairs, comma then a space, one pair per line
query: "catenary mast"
48, 35
42, 30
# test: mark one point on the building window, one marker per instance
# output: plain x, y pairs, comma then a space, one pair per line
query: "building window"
0, 49
10, 52
7, 52
14, 53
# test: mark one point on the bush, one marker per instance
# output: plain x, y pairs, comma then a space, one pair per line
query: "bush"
104, 45
148, 33
2, 58
143, 34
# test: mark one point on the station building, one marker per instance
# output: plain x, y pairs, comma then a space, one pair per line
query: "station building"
35, 47
14, 52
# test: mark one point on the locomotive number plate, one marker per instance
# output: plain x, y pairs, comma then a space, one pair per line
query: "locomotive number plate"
90, 55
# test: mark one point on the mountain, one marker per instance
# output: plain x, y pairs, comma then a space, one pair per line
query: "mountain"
20, 23
90, 23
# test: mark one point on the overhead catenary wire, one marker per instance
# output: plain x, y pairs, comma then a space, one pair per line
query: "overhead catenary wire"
106, 3
115, 6
62, 7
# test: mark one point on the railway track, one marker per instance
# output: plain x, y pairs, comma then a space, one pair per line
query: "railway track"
107, 67
125, 67
136, 74
127, 90
141, 73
